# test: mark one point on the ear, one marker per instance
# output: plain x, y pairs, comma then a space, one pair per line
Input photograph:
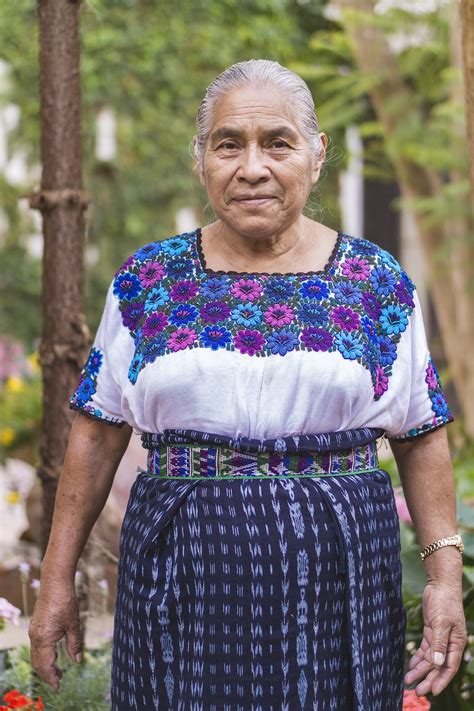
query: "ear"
198, 163
319, 160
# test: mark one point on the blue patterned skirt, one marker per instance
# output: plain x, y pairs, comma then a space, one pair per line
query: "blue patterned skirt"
260, 577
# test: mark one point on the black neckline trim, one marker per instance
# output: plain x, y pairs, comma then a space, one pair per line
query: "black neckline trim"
223, 272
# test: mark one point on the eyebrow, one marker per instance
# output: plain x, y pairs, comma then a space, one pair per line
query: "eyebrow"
230, 132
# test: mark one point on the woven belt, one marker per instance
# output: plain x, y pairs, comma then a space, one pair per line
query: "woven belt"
197, 461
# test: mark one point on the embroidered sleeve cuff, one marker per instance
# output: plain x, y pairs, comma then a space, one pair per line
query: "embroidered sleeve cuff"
95, 414
416, 432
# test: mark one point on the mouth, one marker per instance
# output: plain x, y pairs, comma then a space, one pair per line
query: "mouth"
254, 200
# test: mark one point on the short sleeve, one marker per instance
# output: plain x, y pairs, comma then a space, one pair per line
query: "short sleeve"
99, 391
426, 407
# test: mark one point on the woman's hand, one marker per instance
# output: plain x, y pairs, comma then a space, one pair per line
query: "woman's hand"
437, 659
56, 615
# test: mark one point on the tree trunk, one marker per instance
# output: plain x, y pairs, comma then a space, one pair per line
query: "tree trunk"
62, 202
450, 278
466, 10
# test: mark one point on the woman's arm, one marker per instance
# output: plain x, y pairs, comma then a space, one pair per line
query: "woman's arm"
93, 454
426, 474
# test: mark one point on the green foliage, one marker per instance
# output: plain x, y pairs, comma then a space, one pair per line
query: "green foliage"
84, 686
20, 405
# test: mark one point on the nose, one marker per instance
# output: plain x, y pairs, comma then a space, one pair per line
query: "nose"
253, 168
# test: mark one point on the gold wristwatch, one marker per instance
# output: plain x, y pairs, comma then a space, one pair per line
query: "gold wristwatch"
450, 541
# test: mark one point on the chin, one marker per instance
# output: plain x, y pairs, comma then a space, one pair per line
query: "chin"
254, 226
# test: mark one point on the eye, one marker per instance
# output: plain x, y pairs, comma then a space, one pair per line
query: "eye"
278, 143
228, 145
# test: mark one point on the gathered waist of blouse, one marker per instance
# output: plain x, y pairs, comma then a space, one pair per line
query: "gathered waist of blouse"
193, 454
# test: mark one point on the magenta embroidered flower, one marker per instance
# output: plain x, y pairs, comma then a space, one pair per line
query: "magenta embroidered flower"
246, 289
356, 268
181, 339
345, 318
381, 381
184, 291
215, 311
316, 339
249, 341
431, 379
150, 273
154, 324
279, 315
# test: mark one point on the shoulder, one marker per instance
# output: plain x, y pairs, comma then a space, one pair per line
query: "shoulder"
360, 255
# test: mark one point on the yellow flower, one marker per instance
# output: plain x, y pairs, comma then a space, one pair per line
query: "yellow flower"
13, 497
7, 435
33, 360
15, 385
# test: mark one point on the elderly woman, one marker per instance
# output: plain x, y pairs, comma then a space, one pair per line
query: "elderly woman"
260, 357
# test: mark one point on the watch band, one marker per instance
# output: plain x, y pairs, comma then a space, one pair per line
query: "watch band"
440, 543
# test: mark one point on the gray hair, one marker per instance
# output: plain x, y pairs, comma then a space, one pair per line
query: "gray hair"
260, 71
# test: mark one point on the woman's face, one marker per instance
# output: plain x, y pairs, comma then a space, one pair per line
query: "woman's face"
257, 167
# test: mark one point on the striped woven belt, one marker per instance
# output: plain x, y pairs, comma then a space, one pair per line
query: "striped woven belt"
198, 460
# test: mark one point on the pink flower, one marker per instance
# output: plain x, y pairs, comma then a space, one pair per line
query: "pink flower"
279, 315
9, 611
345, 318
246, 289
150, 273
181, 339
381, 381
356, 268
413, 702
402, 508
249, 341
430, 379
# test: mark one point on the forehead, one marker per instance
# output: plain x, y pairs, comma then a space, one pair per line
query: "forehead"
254, 108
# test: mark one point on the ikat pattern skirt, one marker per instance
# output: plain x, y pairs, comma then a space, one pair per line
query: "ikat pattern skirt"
260, 593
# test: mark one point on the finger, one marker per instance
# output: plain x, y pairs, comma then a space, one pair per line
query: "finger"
439, 645
419, 672
43, 661
74, 643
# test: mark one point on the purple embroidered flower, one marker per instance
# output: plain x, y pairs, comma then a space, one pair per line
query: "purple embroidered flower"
383, 281
279, 289
214, 311
246, 314
125, 266
215, 288
393, 320
403, 294
345, 318
371, 305
154, 324
347, 293
157, 297
316, 339
431, 377
215, 337
356, 268
181, 339
94, 361
183, 314
246, 289
179, 268
279, 315
184, 291
313, 313
282, 342
381, 381
132, 314
127, 286
314, 289
150, 273
349, 345
248, 341
387, 350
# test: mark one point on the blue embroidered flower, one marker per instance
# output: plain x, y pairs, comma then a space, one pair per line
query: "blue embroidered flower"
85, 390
393, 320
439, 405
282, 342
387, 350
148, 250
347, 293
175, 246
156, 297
94, 361
313, 313
215, 287
183, 314
127, 286
154, 348
349, 345
215, 337
371, 305
362, 246
383, 281
386, 258
369, 328
135, 367
314, 289
279, 289
247, 314
179, 268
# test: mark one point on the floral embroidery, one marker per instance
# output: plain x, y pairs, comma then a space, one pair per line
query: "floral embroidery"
435, 391
358, 307
80, 400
